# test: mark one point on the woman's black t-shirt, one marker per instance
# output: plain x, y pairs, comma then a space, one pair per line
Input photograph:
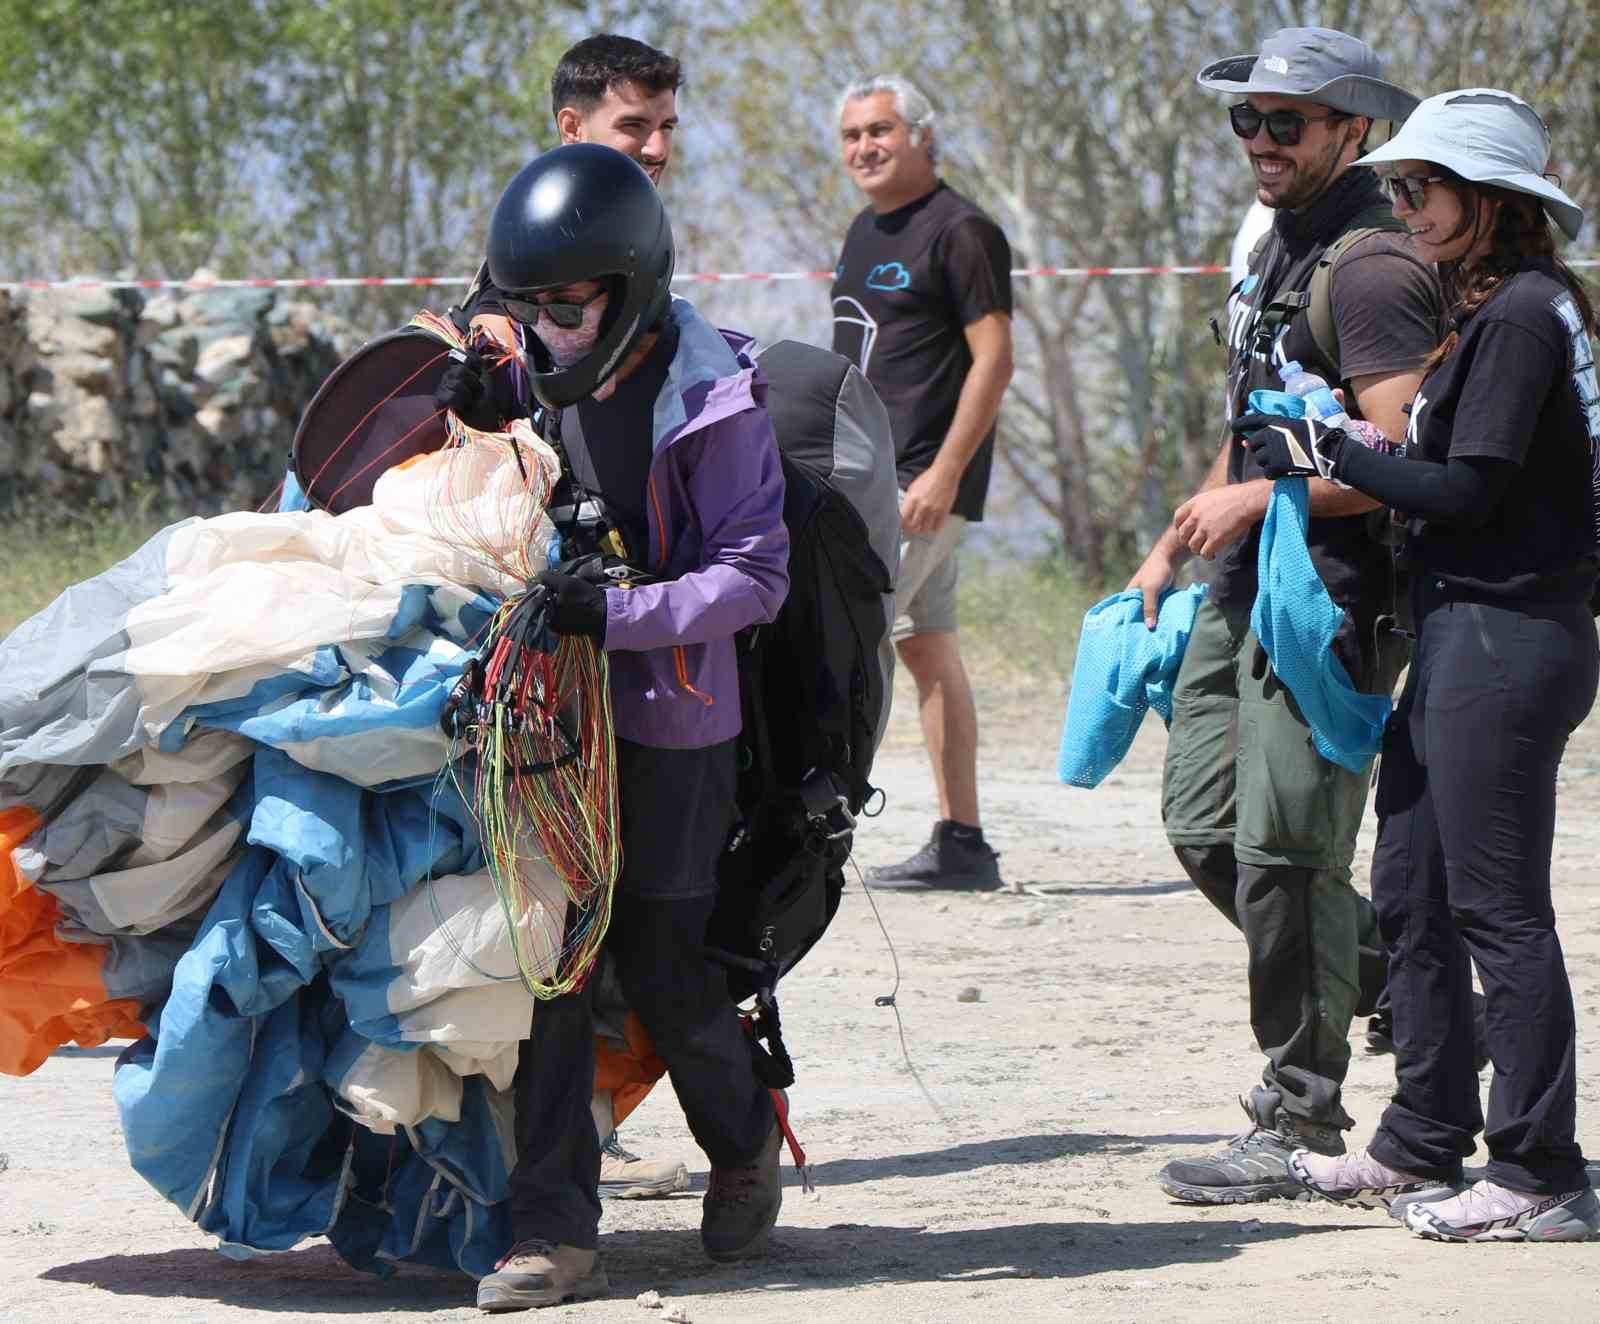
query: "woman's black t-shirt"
1520, 386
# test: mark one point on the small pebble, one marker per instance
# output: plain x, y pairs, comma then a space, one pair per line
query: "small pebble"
1250, 1225
676, 1315
830, 972
970, 994
648, 1300
943, 908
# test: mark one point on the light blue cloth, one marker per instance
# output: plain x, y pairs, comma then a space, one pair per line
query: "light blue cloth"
1296, 621
1122, 670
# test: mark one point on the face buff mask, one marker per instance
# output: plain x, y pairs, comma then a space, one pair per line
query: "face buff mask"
569, 346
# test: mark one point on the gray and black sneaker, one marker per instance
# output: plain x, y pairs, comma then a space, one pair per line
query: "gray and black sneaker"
952, 860
1255, 1165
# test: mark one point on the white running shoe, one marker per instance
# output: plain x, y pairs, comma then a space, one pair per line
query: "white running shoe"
1359, 1179
1489, 1212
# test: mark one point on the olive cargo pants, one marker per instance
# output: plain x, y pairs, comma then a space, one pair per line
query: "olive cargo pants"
1266, 829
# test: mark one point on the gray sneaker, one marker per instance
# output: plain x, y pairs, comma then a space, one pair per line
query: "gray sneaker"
1359, 1179
945, 863
1486, 1211
1255, 1165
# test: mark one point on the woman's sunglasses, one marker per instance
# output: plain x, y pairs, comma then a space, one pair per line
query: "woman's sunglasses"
1413, 188
568, 316
1284, 126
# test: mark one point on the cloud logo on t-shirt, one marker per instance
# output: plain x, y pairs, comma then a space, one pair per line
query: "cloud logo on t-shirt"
888, 276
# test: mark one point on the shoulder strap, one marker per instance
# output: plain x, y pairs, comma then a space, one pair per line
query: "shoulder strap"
1319, 302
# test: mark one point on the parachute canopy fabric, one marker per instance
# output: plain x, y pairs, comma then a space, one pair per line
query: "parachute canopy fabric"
223, 819
1123, 669
374, 411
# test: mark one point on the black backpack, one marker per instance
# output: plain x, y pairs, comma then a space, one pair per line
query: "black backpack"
813, 684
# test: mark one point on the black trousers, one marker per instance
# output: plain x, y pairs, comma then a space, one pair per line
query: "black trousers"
1466, 804
676, 810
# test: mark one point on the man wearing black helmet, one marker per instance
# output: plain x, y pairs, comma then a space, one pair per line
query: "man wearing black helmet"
663, 425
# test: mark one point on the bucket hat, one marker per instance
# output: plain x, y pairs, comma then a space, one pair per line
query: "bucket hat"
1488, 137
1331, 68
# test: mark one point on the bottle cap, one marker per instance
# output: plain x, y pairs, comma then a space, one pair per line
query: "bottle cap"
1289, 369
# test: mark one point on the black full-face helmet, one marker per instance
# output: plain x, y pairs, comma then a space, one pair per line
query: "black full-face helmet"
584, 212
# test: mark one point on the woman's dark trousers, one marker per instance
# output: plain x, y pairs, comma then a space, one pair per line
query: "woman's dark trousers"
1466, 803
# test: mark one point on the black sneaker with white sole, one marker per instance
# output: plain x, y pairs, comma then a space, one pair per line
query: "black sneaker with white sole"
955, 859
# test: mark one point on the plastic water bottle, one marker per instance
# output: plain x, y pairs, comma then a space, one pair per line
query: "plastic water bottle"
1321, 403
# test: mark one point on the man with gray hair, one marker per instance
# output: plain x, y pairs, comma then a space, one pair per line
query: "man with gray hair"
922, 303
1263, 824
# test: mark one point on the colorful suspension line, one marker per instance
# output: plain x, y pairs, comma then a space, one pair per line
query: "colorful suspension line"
531, 716
535, 710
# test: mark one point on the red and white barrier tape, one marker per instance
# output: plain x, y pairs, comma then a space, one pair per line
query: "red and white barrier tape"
690, 277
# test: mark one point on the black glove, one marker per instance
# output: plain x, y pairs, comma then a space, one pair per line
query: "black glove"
465, 391
573, 605
1291, 447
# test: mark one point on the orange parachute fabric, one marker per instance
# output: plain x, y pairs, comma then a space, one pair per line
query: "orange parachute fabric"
51, 991
628, 1072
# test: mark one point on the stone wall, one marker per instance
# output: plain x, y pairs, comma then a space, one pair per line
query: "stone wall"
188, 397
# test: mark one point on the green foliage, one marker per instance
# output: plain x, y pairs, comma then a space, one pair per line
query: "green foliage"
44, 553
1020, 620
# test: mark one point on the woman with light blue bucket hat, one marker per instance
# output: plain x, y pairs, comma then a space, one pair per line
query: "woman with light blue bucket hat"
1500, 485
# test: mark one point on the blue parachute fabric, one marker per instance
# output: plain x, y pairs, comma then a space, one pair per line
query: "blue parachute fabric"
1296, 621
1123, 669
267, 1012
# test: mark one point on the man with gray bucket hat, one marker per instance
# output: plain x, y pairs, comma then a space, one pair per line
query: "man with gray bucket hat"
1262, 823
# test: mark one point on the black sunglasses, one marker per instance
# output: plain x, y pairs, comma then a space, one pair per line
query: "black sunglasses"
1284, 126
568, 316
1414, 188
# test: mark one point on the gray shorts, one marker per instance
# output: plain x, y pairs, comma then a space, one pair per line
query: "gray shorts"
925, 591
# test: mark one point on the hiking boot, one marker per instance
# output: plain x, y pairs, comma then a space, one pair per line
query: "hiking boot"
742, 1204
950, 861
1489, 1212
1359, 1179
626, 1176
539, 1273
1380, 1032
1255, 1165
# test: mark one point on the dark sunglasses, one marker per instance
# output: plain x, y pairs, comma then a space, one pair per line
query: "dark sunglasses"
568, 316
1413, 188
1284, 126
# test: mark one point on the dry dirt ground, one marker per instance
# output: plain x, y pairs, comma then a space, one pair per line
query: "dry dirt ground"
1017, 1181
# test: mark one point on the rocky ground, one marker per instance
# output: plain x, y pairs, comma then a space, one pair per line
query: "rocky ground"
997, 1161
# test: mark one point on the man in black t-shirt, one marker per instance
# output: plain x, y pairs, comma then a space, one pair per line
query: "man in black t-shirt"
922, 303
